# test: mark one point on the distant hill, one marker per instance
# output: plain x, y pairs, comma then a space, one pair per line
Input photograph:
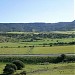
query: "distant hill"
29, 27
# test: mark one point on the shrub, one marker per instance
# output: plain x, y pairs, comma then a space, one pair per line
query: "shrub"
9, 68
19, 64
23, 73
62, 56
8, 71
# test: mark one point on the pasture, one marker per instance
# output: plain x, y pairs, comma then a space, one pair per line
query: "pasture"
46, 69
37, 42
37, 50
61, 32
64, 32
41, 44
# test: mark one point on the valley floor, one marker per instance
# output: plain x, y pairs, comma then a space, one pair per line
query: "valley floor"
39, 50
46, 69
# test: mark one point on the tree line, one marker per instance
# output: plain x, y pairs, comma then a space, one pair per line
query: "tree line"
36, 60
19, 63
11, 68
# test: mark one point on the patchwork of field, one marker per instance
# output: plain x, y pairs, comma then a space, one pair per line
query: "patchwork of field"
36, 43
46, 69
39, 50
64, 32
61, 32
40, 45
55, 69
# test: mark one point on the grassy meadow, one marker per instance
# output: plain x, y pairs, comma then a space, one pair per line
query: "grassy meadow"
46, 69
39, 50
36, 43
42, 44
61, 32
23, 47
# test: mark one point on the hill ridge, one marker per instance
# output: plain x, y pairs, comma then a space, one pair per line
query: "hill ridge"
37, 27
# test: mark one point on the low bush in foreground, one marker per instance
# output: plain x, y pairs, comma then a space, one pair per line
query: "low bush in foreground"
19, 64
12, 67
36, 59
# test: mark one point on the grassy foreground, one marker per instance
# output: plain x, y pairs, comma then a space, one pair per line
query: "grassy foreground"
39, 50
55, 69
47, 69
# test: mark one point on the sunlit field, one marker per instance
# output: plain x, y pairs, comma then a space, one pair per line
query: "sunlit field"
46, 69
39, 50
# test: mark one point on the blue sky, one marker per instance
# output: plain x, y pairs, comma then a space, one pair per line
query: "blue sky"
26, 11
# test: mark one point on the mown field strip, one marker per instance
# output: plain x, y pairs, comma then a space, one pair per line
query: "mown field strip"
39, 50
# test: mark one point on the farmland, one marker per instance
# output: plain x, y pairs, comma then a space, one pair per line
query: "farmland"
46, 41
27, 43
60, 32
38, 50
47, 69
37, 37
37, 42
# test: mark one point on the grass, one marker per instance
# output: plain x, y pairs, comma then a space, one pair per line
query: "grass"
53, 69
54, 50
61, 32
47, 69
38, 42
19, 32
37, 69
39, 50
64, 32
2, 65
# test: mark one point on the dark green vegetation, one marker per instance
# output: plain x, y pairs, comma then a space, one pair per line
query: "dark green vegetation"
31, 38
37, 42
40, 27
13, 40
11, 68
19, 64
45, 69
36, 59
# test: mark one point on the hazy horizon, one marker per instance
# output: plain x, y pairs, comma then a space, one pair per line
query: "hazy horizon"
35, 22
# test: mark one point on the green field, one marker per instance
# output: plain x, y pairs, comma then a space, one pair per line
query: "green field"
38, 42
64, 32
54, 69
27, 44
46, 69
61, 32
38, 50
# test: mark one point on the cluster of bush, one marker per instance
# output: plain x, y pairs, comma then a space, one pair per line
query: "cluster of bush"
39, 35
11, 68
18, 64
36, 59
30, 37
58, 44
43, 45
